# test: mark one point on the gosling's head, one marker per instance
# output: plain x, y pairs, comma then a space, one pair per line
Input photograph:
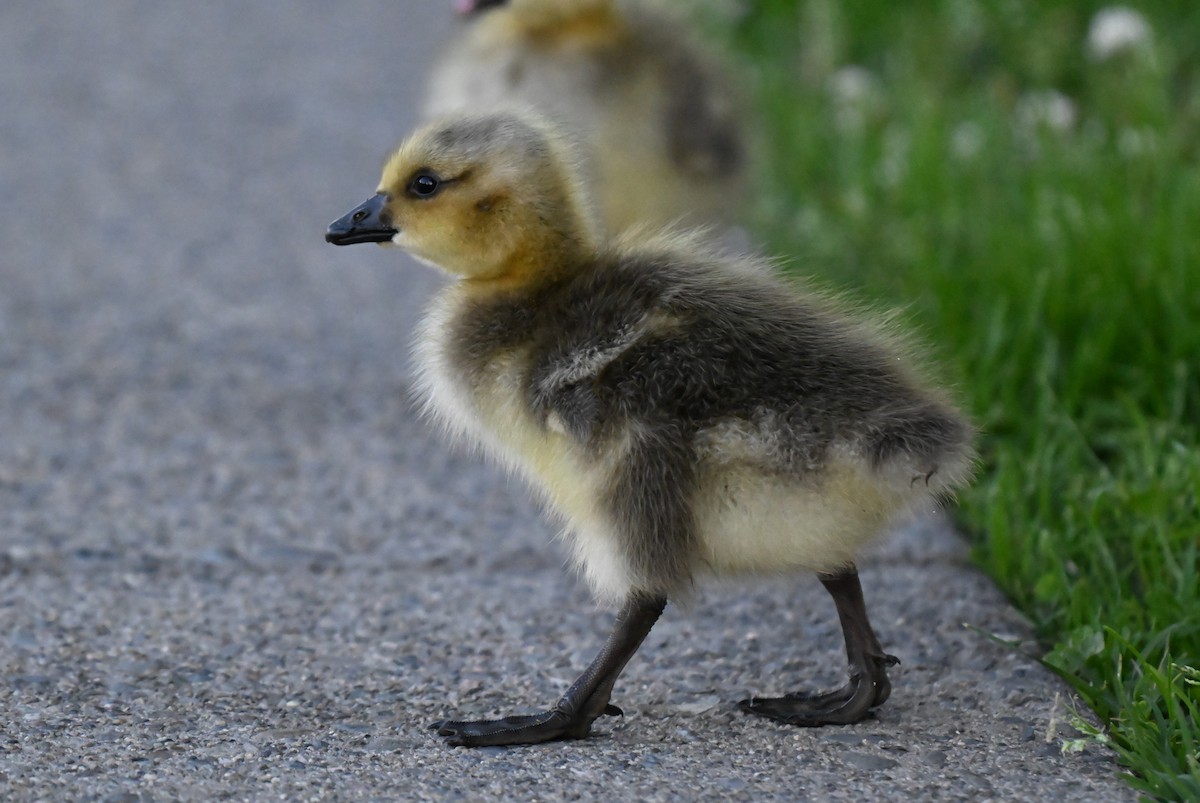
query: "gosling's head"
548, 11
492, 196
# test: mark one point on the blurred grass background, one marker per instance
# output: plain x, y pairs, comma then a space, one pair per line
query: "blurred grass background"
1024, 180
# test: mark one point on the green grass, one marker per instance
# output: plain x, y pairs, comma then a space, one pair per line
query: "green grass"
1056, 269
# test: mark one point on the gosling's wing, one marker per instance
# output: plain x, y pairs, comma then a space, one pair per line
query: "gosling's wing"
673, 337
651, 340
714, 342
587, 327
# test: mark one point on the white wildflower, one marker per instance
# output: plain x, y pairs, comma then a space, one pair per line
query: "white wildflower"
1114, 30
894, 161
1045, 109
857, 95
853, 84
854, 203
966, 141
1135, 142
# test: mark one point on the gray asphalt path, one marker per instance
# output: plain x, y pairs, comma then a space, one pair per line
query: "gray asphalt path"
234, 565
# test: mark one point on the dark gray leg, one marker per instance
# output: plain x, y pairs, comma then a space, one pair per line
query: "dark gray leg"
584, 702
868, 685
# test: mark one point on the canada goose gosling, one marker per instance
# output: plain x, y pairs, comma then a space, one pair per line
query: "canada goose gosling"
652, 108
682, 414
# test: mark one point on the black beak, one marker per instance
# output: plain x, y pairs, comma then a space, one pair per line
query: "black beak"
368, 222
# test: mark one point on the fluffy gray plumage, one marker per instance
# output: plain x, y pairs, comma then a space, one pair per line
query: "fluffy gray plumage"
653, 350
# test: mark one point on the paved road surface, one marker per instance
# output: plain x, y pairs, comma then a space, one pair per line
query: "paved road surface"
232, 562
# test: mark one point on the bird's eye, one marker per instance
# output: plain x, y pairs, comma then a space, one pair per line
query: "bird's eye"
424, 185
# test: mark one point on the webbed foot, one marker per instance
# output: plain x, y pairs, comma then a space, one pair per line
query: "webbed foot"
586, 701
845, 706
549, 726
868, 685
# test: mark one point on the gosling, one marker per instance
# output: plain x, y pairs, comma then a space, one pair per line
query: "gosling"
664, 132
685, 415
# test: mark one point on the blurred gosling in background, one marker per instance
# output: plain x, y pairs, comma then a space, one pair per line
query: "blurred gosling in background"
662, 132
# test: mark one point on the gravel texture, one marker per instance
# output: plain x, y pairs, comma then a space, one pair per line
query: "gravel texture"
235, 565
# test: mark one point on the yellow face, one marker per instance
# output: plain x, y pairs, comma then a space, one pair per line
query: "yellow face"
483, 197
445, 206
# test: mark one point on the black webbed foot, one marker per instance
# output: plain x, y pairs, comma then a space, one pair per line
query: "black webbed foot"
845, 706
548, 726
584, 703
868, 685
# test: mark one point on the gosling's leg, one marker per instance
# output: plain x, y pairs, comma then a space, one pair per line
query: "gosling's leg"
868, 686
586, 700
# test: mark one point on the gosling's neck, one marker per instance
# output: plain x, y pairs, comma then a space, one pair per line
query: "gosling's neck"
540, 257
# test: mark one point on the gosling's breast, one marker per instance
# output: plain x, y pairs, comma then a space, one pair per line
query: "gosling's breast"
485, 401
